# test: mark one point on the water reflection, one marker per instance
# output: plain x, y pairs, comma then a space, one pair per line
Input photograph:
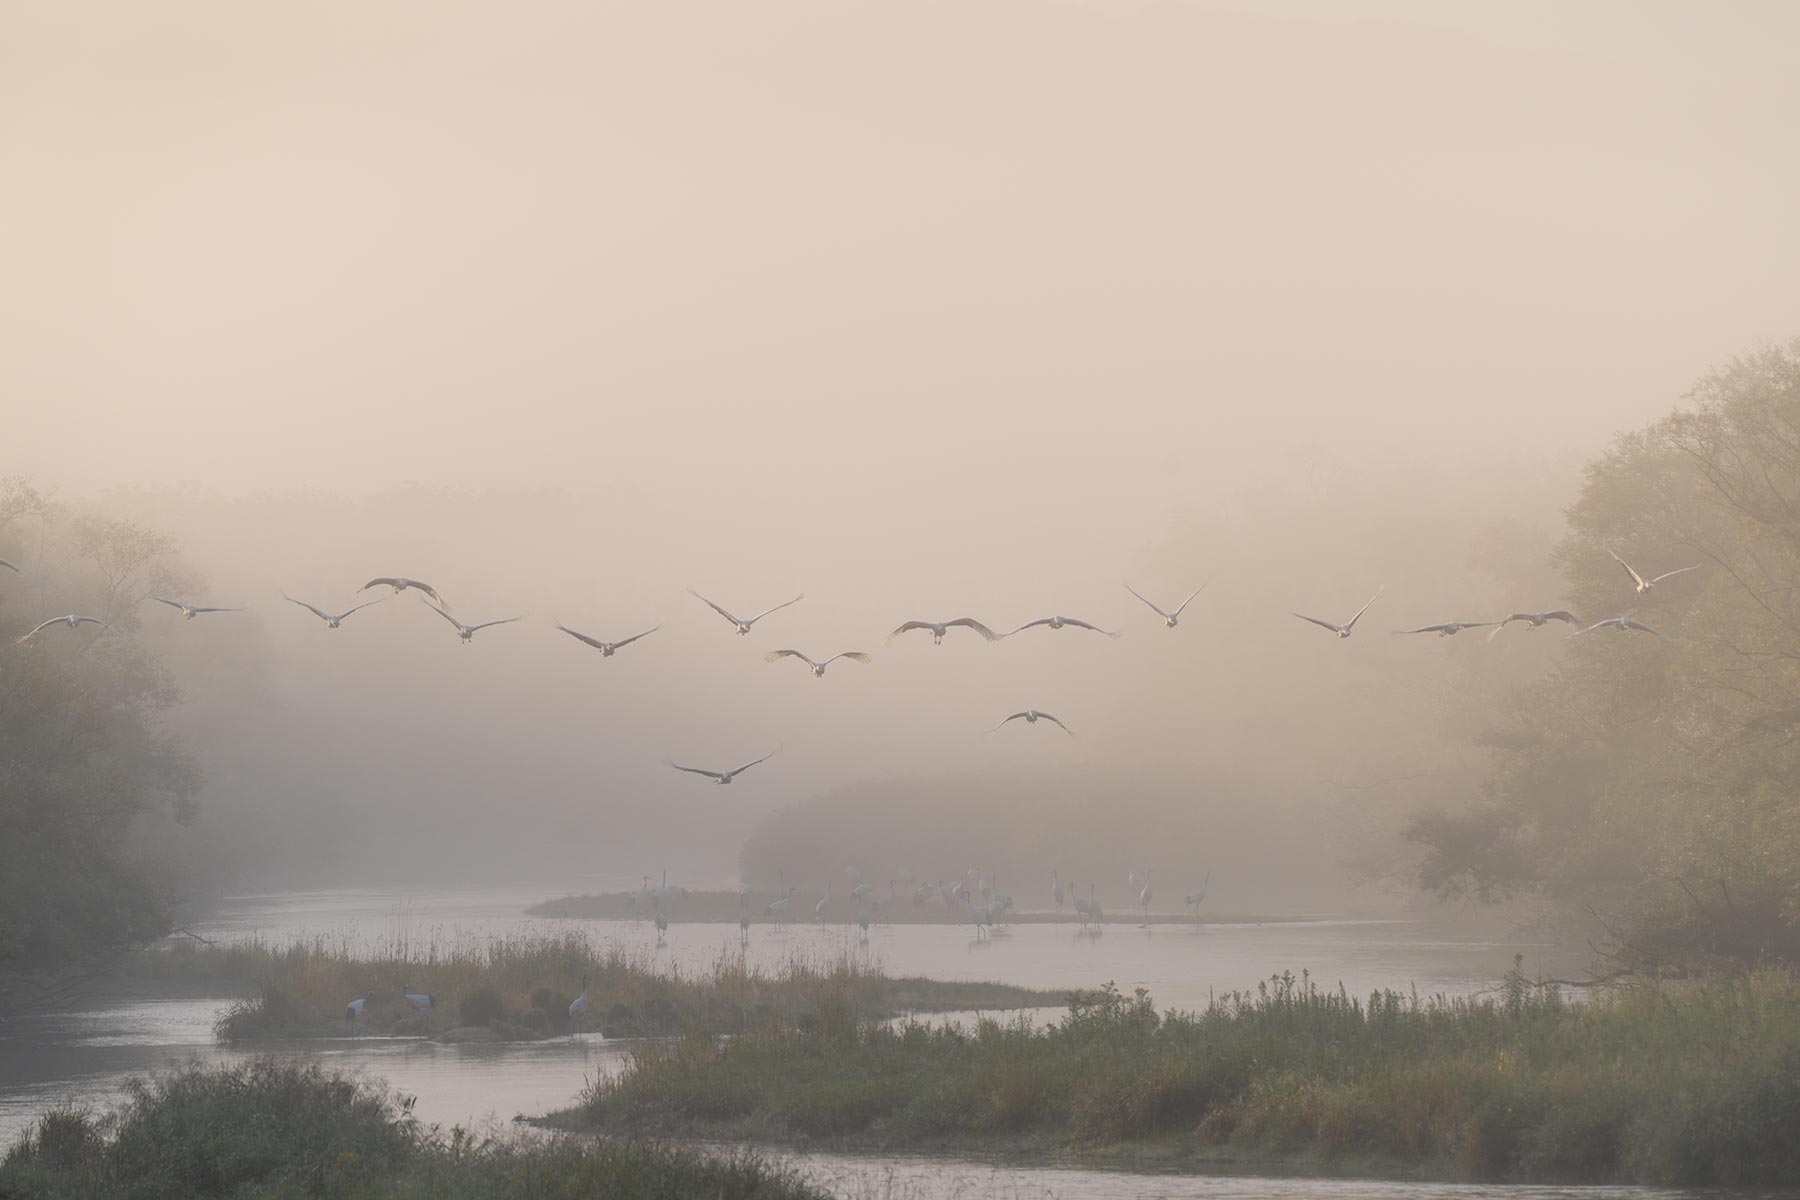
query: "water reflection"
85, 1056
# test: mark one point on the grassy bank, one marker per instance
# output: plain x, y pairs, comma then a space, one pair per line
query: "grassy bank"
520, 988
269, 1129
1694, 1084
721, 908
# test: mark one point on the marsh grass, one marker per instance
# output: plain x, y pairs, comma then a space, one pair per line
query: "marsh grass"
519, 987
1694, 1084
269, 1128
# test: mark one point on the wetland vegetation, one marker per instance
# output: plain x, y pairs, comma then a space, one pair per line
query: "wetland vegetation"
1693, 1083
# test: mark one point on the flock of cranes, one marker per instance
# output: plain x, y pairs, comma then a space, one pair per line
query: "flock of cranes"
974, 896
1171, 618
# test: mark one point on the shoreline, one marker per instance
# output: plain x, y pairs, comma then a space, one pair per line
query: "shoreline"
722, 908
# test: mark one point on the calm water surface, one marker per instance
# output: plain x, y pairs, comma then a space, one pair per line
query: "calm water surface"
85, 1056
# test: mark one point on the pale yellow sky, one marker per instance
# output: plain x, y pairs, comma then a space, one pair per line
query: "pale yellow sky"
981, 249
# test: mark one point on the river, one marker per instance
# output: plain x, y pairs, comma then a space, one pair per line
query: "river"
85, 1055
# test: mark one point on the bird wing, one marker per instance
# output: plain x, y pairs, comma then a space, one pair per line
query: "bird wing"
852, 655
1628, 623
911, 625
1044, 716
33, 633
1319, 623
763, 759
1030, 624
200, 608
378, 582
714, 607
440, 612
694, 770
1159, 612
1085, 625
314, 609
1014, 717
1365, 608
1191, 596
765, 612
1423, 629
1564, 615
91, 620
1600, 624
772, 655
634, 637
596, 643
358, 608
486, 624
1475, 624
164, 600
427, 589
977, 626
1676, 571
1636, 578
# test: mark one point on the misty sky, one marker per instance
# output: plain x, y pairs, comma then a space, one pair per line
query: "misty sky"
938, 254
919, 308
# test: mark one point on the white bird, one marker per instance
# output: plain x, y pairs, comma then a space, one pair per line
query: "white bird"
1170, 619
419, 1000
467, 632
939, 628
721, 777
1058, 623
1622, 624
1448, 628
1145, 895
1343, 630
353, 1011
1135, 877
743, 626
662, 922
999, 903
1534, 620
73, 620
190, 611
400, 583
1081, 904
332, 620
1644, 585
1032, 717
818, 668
743, 913
578, 1006
606, 649
779, 908
979, 916
819, 908
1194, 898
1096, 912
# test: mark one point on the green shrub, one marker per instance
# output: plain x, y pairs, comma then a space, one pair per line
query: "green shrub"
271, 1129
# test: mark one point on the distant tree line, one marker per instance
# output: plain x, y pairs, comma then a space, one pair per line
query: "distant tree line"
1655, 786
85, 764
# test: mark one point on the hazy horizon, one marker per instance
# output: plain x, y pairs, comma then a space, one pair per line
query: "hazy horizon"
925, 311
